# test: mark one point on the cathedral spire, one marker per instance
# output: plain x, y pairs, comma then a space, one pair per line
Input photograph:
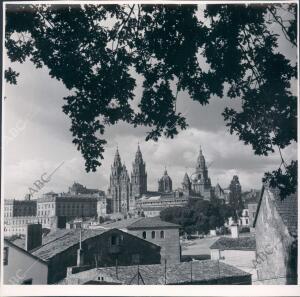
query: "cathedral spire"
201, 160
138, 155
117, 160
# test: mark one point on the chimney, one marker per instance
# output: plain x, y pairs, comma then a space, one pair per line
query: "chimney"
234, 231
33, 236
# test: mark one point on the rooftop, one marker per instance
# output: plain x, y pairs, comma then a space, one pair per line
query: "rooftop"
60, 240
154, 222
140, 223
179, 273
229, 243
286, 208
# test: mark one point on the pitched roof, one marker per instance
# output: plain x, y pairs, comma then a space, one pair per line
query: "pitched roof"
6, 241
153, 222
122, 224
179, 273
60, 240
286, 208
229, 243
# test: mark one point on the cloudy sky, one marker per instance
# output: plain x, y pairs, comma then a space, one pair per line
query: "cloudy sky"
37, 140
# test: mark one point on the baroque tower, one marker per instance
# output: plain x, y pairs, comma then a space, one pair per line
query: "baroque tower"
201, 184
138, 175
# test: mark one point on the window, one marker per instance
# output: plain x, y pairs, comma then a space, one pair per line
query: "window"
162, 234
153, 234
5, 256
247, 222
144, 235
27, 281
114, 240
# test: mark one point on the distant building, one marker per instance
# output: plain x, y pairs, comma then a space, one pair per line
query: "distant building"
54, 210
17, 214
276, 225
165, 183
243, 220
206, 272
200, 182
235, 194
138, 175
152, 203
19, 208
219, 194
122, 191
238, 251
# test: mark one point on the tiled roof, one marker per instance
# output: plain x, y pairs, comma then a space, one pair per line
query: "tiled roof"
179, 273
60, 240
229, 243
154, 222
288, 210
122, 224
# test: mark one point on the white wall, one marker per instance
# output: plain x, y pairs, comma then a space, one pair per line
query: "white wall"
22, 266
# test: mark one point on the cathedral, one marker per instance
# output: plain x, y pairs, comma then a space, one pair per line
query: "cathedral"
199, 183
125, 190
122, 191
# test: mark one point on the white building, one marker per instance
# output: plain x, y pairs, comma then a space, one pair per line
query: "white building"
21, 267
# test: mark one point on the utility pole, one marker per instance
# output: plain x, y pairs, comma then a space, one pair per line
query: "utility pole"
191, 271
165, 271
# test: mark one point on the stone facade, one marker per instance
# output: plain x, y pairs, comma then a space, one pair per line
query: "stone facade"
122, 191
53, 210
19, 208
200, 183
138, 175
164, 234
107, 248
276, 238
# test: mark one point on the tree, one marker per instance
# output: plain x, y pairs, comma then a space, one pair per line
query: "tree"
197, 215
97, 50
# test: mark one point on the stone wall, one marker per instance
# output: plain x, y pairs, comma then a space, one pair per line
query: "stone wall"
273, 244
99, 251
170, 244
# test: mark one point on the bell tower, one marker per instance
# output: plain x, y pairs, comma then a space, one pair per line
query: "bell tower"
138, 175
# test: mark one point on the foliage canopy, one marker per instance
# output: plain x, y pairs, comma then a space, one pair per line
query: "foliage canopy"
230, 51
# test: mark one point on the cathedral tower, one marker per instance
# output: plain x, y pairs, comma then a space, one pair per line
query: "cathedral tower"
201, 182
138, 175
120, 187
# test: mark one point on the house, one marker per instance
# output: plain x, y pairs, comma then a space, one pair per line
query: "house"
156, 231
237, 251
205, 272
276, 237
21, 267
159, 232
78, 250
